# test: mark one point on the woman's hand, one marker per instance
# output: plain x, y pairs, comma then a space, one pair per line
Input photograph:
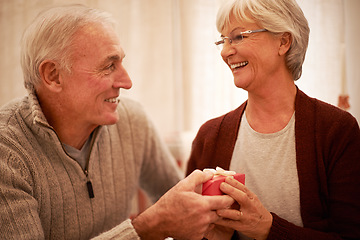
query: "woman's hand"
250, 218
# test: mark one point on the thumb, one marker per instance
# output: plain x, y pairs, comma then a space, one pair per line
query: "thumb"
194, 181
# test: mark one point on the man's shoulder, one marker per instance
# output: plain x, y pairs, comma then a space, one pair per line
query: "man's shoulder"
131, 112
130, 108
127, 102
13, 127
12, 112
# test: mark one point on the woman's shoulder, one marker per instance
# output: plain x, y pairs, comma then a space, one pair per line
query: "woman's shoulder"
325, 115
228, 120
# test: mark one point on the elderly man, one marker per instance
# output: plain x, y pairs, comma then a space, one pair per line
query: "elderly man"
72, 152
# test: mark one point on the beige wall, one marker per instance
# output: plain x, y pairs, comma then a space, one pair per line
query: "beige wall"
160, 71
352, 39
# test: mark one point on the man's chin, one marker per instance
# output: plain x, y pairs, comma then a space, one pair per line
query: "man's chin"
111, 120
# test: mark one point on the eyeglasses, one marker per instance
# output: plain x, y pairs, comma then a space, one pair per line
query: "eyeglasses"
236, 37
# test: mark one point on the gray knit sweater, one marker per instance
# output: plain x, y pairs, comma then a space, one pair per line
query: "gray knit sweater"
43, 191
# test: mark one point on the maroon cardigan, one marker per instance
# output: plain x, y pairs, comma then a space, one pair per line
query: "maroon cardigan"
328, 163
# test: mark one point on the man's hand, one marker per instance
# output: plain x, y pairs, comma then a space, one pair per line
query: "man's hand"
182, 213
219, 233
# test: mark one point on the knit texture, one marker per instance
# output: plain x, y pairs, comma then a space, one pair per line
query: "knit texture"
43, 193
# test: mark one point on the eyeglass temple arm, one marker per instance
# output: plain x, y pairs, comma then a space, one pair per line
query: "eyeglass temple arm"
246, 32
255, 31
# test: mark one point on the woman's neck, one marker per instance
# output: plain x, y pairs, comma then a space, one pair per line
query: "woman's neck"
270, 112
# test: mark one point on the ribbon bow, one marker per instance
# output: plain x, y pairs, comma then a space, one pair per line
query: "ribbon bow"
218, 171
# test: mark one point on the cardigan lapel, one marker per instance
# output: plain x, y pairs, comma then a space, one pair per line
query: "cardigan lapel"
227, 135
306, 159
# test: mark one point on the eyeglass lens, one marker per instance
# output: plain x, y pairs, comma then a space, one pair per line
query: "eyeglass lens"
234, 38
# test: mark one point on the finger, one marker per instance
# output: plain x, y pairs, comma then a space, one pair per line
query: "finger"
194, 180
212, 217
231, 214
219, 202
229, 223
233, 182
239, 195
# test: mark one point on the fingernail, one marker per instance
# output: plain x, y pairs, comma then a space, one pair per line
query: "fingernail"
229, 179
223, 185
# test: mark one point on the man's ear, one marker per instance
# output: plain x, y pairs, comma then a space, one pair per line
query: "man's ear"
50, 75
285, 43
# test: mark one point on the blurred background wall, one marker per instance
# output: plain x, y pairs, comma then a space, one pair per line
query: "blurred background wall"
177, 71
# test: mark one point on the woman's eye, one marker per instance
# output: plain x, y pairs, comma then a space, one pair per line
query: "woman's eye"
238, 37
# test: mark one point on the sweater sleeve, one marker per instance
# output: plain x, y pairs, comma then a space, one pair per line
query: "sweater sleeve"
158, 169
123, 231
19, 213
284, 230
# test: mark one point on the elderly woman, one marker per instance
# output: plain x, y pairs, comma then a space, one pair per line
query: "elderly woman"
301, 156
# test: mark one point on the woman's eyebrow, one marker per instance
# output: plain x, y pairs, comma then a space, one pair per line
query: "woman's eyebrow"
237, 29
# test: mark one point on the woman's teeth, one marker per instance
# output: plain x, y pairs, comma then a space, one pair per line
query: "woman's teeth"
236, 65
112, 100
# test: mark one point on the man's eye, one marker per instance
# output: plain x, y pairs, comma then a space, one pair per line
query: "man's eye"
109, 68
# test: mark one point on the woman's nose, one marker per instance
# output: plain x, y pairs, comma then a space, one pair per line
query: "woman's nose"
227, 50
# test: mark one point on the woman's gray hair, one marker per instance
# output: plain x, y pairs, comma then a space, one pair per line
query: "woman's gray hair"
277, 16
49, 37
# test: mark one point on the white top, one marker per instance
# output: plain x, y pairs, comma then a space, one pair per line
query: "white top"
269, 164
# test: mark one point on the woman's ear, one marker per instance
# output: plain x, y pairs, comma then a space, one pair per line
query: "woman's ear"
50, 75
285, 43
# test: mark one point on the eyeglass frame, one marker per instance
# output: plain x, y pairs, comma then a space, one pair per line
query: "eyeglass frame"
222, 40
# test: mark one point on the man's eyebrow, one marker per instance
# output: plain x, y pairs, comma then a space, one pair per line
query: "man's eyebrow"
113, 58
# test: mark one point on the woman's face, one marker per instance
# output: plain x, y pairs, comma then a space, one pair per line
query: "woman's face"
255, 61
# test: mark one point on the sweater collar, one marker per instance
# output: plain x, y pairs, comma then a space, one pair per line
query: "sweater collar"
39, 119
36, 111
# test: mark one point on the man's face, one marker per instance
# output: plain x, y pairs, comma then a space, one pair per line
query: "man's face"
90, 91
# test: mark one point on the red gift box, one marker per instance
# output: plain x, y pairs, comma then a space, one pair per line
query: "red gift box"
212, 187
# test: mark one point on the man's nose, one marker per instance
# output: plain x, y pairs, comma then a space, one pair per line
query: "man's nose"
122, 79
